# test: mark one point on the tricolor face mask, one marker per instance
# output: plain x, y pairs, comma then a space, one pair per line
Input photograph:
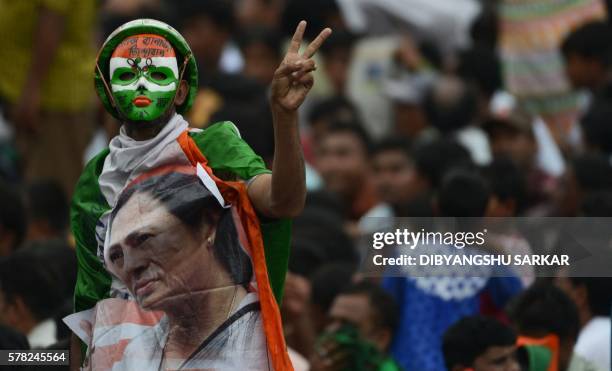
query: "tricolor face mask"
144, 77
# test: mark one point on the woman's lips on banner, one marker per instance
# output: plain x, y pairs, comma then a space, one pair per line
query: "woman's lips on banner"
144, 287
141, 101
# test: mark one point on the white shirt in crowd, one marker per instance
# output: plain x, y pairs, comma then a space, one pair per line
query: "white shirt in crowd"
593, 342
43, 334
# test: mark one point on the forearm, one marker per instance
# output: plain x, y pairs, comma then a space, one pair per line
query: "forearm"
47, 39
76, 358
284, 193
288, 188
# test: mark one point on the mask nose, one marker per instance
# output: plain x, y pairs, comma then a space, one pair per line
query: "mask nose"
141, 84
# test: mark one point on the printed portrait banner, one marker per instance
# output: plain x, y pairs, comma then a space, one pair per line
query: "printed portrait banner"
190, 283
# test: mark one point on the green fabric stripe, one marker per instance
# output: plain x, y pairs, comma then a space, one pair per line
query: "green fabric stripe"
227, 154
521, 11
88, 205
277, 242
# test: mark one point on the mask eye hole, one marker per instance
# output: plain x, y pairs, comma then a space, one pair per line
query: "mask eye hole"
126, 76
159, 76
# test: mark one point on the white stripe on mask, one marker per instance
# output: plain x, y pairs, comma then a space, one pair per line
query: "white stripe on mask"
170, 62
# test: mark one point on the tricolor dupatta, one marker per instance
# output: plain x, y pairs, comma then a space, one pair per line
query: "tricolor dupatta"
235, 193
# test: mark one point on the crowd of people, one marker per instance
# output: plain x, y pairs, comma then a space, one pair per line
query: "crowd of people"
473, 108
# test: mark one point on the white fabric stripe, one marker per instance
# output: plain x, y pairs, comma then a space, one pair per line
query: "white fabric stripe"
169, 62
210, 184
74, 321
110, 335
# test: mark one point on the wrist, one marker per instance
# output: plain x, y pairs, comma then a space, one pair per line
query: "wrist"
281, 113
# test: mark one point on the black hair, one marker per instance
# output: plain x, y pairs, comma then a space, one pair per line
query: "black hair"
434, 159
47, 201
12, 213
591, 40
38, 276
266, 36
506, 181
386, 310
544, 308
337, 108
185, 197
325, 200
431, 53
454, 111
329, 280
220, 12
599, 293
244, 102
61, 259
484, 30
393, 144
596, 126
463, 194
482, 67
338, 40
419, 207
352, 127
11, 339
597, 204
593, 172
470, 337
319, 238
316, 12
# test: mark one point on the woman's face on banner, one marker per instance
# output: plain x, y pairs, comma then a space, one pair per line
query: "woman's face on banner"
156, 256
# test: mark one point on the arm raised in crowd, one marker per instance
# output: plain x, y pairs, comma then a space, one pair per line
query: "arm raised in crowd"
47, 38
283, 193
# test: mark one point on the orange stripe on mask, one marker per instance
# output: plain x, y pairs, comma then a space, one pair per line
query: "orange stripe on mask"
144, 46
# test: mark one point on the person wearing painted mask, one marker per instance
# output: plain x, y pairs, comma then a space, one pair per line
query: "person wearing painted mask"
146, 77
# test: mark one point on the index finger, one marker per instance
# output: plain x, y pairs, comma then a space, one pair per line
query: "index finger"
296, 40
317, 42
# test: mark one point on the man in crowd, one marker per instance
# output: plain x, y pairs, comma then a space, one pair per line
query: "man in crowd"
545, 315
394, 173
593, 299
342, 161
48, 211
34, 289
480, 344
587, 54
363, 319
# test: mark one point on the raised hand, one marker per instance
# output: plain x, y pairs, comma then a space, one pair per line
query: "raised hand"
293, 78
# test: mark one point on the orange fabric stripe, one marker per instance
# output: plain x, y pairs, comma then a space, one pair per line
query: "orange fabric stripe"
236, 194
550, 341
117, 312
105, 357
144, 46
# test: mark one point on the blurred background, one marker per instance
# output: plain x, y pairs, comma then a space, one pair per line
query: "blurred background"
420, 108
